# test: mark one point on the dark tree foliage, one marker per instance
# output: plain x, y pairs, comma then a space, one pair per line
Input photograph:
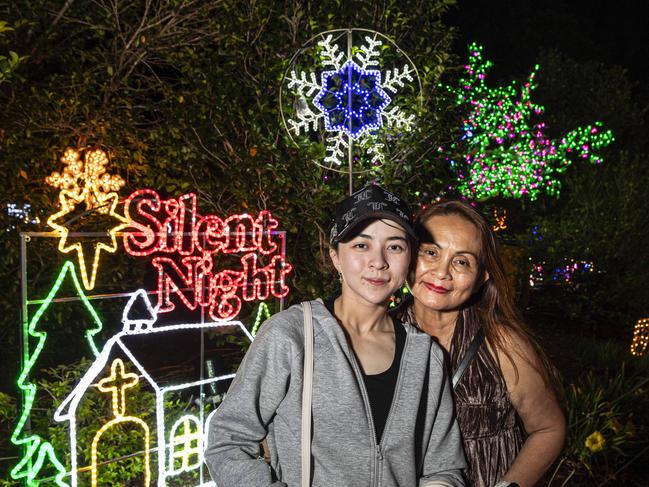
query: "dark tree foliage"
183, 95
602, 212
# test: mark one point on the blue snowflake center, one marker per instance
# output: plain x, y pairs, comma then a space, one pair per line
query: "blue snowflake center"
352, 100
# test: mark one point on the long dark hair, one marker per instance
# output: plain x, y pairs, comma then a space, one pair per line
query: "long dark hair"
494, 303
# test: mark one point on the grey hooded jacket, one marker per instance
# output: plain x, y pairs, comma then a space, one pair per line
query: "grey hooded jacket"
420, 443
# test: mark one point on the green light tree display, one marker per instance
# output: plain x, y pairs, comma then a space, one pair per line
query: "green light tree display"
504, 150
263, 313
38, 454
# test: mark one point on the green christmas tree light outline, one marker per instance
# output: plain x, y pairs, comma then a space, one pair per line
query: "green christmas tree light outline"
34, 444
263, 313
504, 154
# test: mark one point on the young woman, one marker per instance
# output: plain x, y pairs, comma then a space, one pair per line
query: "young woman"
511, 424
382, 411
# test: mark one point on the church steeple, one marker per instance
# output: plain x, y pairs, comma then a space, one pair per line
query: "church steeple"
135, 322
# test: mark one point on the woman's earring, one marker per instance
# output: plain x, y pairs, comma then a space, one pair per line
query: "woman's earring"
340, 277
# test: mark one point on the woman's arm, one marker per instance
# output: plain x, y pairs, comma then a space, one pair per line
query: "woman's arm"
240, 423
537, 406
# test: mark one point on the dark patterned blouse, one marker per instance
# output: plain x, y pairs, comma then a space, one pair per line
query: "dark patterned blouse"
491, 431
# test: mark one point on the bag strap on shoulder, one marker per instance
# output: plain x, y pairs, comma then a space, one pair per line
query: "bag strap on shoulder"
307, 386
468, 356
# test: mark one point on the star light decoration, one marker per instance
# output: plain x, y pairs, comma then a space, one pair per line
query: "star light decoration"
351, 99
86, 182
503, 151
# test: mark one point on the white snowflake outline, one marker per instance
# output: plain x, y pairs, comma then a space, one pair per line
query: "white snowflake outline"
309, 118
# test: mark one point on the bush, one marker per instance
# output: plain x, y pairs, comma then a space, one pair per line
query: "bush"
607, 429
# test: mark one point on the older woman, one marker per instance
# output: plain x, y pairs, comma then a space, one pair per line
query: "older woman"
382, 411
511, 423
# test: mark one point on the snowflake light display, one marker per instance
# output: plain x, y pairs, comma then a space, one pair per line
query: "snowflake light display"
503, 152
352, 100
86, 180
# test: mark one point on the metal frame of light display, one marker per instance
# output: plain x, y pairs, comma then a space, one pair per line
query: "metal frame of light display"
180, 245
351, 99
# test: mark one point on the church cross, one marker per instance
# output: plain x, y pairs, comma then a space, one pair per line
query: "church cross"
117, 383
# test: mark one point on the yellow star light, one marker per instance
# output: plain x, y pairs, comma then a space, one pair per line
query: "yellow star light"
69, 200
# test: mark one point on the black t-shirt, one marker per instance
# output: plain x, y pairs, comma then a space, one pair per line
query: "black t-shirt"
380, 387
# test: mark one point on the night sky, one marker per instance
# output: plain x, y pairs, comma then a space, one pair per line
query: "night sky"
514, 32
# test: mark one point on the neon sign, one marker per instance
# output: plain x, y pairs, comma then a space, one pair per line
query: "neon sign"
201, 262
182, 243
157, 226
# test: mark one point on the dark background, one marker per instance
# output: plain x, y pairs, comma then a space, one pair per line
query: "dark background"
514, 33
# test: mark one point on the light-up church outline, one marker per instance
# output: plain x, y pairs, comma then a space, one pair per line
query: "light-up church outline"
111, 358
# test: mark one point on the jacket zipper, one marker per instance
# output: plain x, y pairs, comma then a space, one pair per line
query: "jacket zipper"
368, 413
378, 452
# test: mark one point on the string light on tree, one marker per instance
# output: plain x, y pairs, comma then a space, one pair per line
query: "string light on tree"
20, 213
640, 337
500, 218
564, 273
504, 150
536, 276
567, 271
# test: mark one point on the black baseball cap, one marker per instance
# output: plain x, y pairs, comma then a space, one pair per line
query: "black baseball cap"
371, 202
